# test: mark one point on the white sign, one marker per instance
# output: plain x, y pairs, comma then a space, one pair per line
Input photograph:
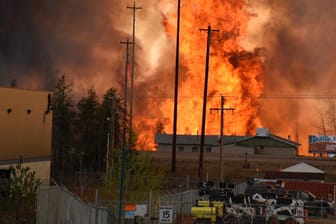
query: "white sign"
166, 214
141, 210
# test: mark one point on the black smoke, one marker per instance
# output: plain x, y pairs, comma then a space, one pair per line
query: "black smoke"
42, 38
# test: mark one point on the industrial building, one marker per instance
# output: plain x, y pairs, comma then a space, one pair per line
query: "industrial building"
25, 130
263, 143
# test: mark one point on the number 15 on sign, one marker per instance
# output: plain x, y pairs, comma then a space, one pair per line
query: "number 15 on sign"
166, 214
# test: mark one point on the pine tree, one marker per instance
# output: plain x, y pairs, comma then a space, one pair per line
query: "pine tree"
88, 131
63, 117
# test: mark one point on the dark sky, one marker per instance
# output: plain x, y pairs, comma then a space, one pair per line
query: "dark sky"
40, 39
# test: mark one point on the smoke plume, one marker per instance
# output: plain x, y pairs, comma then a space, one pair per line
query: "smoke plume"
40, 39
298, 39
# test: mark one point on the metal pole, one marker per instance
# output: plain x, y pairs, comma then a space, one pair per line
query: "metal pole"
122, 165
97, 205
149, 213
112, 135
107, 157
200, 170
176, 86
134, 8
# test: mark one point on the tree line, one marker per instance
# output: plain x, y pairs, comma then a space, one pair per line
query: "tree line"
87, 133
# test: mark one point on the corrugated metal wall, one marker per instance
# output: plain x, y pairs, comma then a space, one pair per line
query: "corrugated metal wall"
320, 190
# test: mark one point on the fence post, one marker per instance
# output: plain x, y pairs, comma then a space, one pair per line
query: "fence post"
149, 212
97, 205
47, 212
187, 182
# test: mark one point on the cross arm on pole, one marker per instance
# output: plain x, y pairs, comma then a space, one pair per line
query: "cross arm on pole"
209, 29
126, 42
134, 7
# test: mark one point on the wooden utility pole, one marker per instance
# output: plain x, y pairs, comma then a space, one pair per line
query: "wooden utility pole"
123, 153
134, 8
222, 109
173, 168
200, 170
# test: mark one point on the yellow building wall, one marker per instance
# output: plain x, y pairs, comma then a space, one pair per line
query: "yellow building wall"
22, 133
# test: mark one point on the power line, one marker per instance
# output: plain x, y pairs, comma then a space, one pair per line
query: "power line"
289, 97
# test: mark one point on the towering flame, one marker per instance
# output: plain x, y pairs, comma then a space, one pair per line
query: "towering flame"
234, 72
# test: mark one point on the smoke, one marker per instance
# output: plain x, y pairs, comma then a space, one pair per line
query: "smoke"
39, 40
298, 39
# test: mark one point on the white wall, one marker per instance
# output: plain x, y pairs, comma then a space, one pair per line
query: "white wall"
41, 168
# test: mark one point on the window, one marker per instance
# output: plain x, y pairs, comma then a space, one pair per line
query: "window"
194, 149
180, 149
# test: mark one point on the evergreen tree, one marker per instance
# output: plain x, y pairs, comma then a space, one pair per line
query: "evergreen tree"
63, 117
88, 131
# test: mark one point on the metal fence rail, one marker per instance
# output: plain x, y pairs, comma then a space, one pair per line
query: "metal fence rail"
57, 205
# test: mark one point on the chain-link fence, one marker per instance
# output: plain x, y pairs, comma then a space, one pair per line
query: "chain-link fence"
178, 206
57, 205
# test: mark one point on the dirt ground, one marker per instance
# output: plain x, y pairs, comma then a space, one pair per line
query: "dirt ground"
234, 166
235, 169
329, 220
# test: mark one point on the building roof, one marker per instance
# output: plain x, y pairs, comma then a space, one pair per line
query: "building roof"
294, 176
248, 141
166, 139
270, 140
302, 168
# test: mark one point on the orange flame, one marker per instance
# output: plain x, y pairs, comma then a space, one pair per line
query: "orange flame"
233, 71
